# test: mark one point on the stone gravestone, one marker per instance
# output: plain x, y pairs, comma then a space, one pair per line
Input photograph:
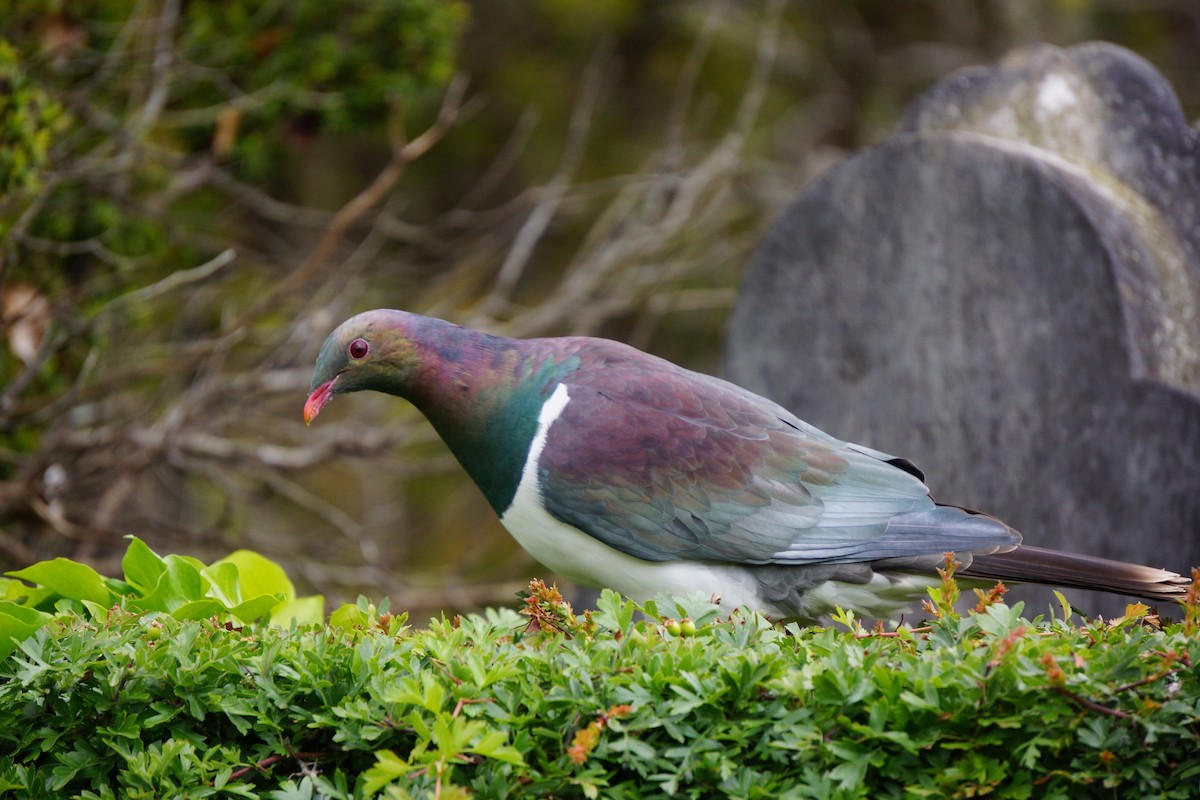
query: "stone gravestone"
1007, 292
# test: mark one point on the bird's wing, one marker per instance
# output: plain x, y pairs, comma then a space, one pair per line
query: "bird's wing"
664, 464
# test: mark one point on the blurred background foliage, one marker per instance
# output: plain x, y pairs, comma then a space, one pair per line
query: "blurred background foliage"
192, 194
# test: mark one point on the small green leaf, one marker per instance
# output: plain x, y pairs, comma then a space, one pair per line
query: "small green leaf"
96, 610
18, 623
348, 616
1064, 605
615, 610
198, 609
142, 566
256, 607
494, 745
224, 583
435, 698
489, 742
69, 578
258, 575
452, 737
179, 583
388, 767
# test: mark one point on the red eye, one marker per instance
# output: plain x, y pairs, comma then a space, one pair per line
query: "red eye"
359, 349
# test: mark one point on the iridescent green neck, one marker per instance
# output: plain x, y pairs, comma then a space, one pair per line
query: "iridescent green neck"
483, 395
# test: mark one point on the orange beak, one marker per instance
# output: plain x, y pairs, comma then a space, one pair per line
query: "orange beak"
317, 400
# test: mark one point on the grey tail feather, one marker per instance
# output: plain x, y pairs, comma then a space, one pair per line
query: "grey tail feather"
1056, 568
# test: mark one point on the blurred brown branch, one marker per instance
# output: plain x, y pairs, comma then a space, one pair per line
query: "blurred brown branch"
404, 152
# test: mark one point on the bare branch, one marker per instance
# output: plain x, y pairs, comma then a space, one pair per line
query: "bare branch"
369, 197
268, 207
160, 88
756, 86
1090, 704
552, 196
174, 281
92, 247
244, 102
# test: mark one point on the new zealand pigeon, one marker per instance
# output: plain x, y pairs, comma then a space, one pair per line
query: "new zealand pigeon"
616, 468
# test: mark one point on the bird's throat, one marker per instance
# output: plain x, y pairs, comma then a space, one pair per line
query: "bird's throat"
492, 436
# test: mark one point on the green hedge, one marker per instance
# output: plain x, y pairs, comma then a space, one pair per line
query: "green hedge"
117, 702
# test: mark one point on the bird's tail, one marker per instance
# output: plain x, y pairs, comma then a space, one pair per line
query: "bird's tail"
1026, 564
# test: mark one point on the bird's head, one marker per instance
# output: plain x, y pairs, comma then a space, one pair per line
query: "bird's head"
373, 350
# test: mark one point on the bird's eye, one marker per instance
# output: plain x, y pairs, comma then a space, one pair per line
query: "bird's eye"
359, 349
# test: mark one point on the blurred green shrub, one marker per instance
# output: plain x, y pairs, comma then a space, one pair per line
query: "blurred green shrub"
29, 118
242, 587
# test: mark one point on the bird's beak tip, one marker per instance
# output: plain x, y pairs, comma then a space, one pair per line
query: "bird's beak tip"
317, 400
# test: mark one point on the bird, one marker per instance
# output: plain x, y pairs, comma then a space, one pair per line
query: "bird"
616, 468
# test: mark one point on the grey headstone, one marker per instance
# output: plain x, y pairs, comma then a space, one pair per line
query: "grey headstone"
1007, 292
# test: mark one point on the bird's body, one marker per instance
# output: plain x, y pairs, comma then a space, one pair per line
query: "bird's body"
616, 468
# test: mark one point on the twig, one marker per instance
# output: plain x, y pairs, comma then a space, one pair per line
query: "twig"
756, 86
92, 247
51, 344
261, 766
56, 340
174, 281
1090, 704
120, 42
207, 445
156, 99
465, 701
1150, 679
248, 102
268, 207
